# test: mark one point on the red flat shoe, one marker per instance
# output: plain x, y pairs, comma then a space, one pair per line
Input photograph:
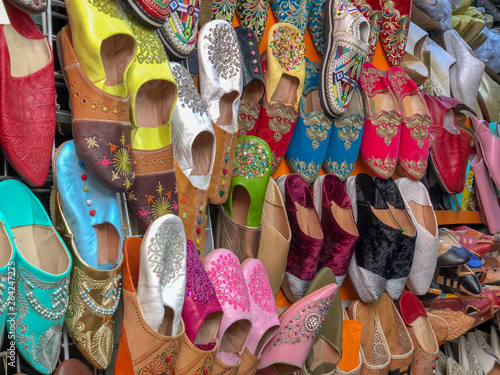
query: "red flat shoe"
415, 136
381, 135
372, 11
395, 26
451, 146
27, 97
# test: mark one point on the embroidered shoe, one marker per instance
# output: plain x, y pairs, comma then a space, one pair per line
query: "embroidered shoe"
372, 11
415, 135
221, 85
162, 275
381, 135
253, 82
253, 15
94, 110
97, 84
307, 235
251, 173
295, 12
309, 142
288, 349
43, 266
217, 10
194, 152
201, 312
26, 82
337, 220
84, 212
264, 313
395, 25
141, 348
179, 32
226, 275
347, 34
284, 79
345, 140
152, 91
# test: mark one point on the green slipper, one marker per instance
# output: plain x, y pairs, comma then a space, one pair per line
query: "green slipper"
251, 173
326, 350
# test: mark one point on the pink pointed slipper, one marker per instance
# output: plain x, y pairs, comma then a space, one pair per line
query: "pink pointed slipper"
265, 320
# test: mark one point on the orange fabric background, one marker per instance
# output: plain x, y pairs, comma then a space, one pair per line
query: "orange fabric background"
381, 62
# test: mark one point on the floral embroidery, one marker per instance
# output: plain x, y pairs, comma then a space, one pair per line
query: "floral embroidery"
223, 10
206, 367
375, 18
384, 168
276, 161
251, 159
304, 324
419, 128
98, 343
294, 12
318, 128
415, 168
307, 171
253, 14
163, 363
248, 114
349, 129
394, 32
121, 162
288, 47
188, 94
260, 290
317, 24
45, 350
369, 80
281, 119
223, 50
227, 278
91, 142
198, 285
166, 253
342, 171
387, 124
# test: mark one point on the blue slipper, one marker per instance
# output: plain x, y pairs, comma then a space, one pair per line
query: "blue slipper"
309, 142
43, 266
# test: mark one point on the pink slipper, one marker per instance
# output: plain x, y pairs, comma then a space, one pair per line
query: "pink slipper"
288, 349
226, 275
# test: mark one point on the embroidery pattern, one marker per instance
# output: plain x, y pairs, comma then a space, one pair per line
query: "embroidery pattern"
227, 278
84, 308
307, 171
375, 19
162, 363
387, 124
188, 94
342, 171
369, 80
415, 168
181, 25
45, 350
253, 14
223, 10
206, 367
317, 24
384, 168
198, 285
318, 128
294, 12
223, 51
166, 253
282, 118
419, 128
349, 127
248, 114
394, 32
149, 49
304, 324
260, 290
